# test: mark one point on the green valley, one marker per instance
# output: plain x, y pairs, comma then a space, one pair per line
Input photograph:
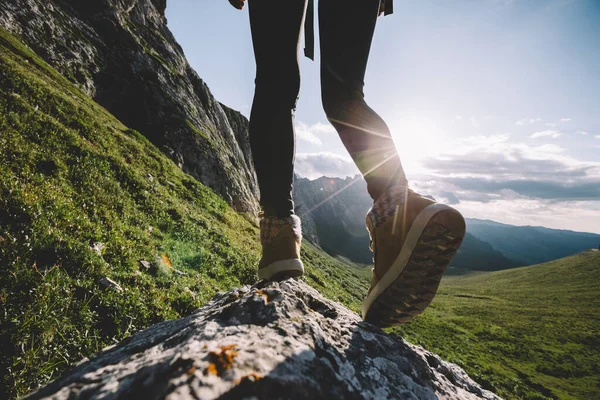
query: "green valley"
531, 332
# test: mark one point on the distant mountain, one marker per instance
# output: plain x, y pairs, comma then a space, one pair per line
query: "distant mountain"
528, 245
333, 212
475, 254
333, 216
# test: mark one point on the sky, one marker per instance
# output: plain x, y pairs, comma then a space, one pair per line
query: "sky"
493, 104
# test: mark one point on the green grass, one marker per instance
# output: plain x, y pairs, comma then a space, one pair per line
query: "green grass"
72, 176
531, 332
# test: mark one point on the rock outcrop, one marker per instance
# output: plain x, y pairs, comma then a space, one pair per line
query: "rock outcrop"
121, 53
277, 340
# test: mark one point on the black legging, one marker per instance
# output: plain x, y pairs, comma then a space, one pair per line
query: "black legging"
346, 30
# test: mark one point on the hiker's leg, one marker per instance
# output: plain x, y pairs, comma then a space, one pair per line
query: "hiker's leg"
275, 35
346, 30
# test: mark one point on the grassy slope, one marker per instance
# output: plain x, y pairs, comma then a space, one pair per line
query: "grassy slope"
71, 176
532, 332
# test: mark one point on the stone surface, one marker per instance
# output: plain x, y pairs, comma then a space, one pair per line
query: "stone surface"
121, 53
277, 340
146, 265
108, 283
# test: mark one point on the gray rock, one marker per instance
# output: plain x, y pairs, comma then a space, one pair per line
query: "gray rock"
121, 53
270, 341
98, 247
108, 283
146, 265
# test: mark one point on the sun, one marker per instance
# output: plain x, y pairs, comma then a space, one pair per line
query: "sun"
417, 137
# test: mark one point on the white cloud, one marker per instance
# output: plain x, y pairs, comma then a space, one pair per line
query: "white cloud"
491, 164
584, 133
551, 133
551, 124
475, 122
563, 120
314, 165
575, 215
494, 177
311, 133
501, 150
323, 128
597, 136
528, 121
483, 140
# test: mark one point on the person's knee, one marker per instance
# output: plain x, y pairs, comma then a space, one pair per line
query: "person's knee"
280, 87
333, 103
338, 98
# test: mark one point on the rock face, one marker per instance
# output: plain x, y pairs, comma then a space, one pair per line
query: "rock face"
121, 53
279, 340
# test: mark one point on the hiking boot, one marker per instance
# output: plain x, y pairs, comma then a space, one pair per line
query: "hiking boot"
280, 239
413, 240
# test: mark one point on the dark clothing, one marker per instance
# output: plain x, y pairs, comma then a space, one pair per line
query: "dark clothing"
346, 30
309, 34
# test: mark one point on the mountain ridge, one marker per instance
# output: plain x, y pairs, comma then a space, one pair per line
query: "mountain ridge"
528, 245
496, 223
333, 209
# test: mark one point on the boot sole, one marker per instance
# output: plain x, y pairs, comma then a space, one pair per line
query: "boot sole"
411, 283
282, 269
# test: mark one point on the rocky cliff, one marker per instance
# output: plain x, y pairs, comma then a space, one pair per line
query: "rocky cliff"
121, 53
275, 341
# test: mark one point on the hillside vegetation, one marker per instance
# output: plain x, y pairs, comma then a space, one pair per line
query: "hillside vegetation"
531, 332
82, 197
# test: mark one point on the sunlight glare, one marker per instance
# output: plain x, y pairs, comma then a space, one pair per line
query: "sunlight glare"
417, 137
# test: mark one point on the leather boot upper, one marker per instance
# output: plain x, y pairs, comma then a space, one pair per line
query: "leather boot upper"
281, 239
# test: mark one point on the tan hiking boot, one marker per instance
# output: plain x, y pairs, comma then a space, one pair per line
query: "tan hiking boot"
281, 239
413, 240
